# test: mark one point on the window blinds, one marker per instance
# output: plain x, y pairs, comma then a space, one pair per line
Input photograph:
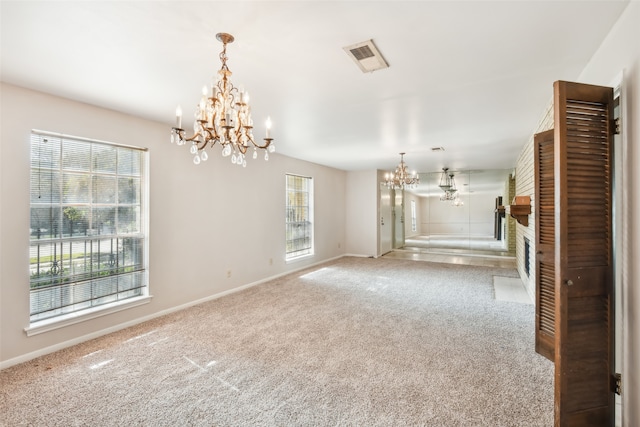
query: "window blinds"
87, 231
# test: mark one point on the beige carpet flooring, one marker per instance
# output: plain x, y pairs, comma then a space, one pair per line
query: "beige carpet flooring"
354, 342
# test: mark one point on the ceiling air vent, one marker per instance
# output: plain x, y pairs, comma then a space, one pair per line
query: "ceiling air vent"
367, 56
437, 148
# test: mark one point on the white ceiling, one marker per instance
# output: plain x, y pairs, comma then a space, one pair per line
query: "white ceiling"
473, 77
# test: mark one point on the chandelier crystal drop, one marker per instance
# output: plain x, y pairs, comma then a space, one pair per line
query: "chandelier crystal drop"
223, 116
401, 179
457, 201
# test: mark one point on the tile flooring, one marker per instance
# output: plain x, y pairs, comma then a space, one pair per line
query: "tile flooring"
477, 260
453, 250
510, 289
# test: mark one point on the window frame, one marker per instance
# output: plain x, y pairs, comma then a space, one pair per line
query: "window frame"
293, 219
135, 270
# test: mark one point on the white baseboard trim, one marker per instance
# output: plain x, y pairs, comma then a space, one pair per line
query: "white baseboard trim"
360, 255
78, 340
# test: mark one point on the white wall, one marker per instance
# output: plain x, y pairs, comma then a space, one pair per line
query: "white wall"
474, 218
620, 52
447, 219
424, 212
204, 220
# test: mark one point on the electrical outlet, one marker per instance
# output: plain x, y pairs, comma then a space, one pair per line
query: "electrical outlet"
228, 274
270, 261
339, 245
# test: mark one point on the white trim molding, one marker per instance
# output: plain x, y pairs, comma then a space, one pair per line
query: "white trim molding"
58, 322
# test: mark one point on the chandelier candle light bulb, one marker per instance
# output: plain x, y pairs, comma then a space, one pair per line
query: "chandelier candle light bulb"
179, 117
223, 118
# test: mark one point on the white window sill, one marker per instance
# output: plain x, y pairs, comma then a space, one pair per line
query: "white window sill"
58, 322
299, 258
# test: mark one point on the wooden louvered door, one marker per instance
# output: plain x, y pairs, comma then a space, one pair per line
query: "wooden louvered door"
583, 141
545, 244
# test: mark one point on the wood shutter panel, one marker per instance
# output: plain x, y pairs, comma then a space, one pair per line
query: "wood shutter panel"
583, 257
545, 244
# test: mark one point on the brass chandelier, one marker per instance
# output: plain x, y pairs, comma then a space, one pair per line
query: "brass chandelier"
223, 116
401, 178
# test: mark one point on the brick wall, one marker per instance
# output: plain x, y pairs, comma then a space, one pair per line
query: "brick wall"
525, 187
510, 191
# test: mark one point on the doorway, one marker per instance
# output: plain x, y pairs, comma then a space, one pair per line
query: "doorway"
398, 218
385, 221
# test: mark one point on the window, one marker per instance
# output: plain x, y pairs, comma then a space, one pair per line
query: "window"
88, 232
414, 219
299, 216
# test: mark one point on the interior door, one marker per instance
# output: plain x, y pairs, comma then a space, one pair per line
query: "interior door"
398, 219
385, 221
545, 243
584, 315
